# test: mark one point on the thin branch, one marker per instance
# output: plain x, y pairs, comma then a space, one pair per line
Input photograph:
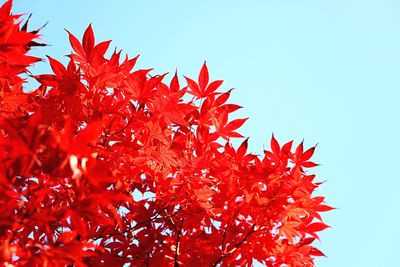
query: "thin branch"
177, 246
251, 230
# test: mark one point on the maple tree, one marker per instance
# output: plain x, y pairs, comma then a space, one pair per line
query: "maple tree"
104, 165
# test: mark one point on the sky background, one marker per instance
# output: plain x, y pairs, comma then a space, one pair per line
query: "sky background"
325, 71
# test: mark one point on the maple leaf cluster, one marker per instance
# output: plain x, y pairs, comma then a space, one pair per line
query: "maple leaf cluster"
107, 165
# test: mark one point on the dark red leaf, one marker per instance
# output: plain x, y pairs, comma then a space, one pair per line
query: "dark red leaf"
242, 149
316, 227
88, 40
57, 67
194, 88
174, 85
309, 164
222, 98
76, 45
203, 77
275, 146
213, 86
308, 154
235, 124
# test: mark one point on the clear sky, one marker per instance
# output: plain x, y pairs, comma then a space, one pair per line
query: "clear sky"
325, 71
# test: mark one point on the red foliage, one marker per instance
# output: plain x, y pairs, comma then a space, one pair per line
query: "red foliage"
104, 165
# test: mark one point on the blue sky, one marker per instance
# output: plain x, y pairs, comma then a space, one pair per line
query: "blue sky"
325, 71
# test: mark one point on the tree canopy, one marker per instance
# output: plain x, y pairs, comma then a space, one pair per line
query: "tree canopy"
106, 165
